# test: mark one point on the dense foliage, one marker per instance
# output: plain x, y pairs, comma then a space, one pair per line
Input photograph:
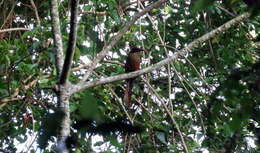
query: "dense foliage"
207, 100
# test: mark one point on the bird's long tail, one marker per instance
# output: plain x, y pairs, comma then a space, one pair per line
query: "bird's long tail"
128, 92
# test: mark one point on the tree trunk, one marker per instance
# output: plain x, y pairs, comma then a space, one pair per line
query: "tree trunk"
64, 132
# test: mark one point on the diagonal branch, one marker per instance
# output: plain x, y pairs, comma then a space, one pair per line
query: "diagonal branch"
36, 13
169, 113
116, 38
71, 43
57, 35
15, 95
172, 58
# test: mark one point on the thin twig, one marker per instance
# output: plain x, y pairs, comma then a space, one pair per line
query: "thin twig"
13, 29
122, 105
114, 62
196, 70
33, 133
16, 92
9, 14
119, 100
14, 116
193, 102
211, 51
131, 3
166, 51
225, 10
170, 114
36, 12
94, 12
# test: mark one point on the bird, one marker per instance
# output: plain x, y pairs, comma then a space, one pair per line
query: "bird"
133, 61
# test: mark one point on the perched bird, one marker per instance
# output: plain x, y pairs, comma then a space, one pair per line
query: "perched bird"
133, 61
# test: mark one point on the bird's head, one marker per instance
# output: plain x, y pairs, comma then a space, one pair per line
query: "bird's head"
137, 49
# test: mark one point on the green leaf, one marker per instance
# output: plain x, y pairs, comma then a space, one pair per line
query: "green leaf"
161, 136
88, 107
202, 4
77, 54
115, 16
87, 7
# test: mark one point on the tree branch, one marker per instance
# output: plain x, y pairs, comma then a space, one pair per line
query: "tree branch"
13, 29
94, 12
131, 3
116, 38
36, 12
57, 35
15, 95
71, 43
175, 56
